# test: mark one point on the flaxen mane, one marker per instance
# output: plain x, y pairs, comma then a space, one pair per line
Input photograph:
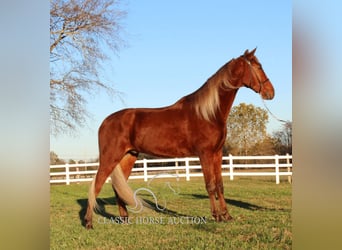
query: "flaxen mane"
206, 99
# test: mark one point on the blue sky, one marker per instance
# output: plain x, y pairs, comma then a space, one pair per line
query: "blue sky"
175, 46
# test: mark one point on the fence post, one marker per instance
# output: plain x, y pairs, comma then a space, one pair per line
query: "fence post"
145, 169
187, 170
289, 178
67, 174
276, 157
231, 167
78, 175
176, 165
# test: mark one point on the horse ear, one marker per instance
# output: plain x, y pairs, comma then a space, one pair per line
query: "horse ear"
248, 54
253, 51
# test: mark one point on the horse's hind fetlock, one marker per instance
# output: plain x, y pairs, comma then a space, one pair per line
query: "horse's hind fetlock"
88, 224
88, 219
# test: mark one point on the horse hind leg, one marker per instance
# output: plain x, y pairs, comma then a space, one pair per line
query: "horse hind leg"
105, 169
91, 205
126, 164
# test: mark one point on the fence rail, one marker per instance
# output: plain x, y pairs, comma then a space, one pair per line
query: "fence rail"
276, 165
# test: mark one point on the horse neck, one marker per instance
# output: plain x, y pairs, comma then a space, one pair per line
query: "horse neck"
226, 102
212, 101
226, 96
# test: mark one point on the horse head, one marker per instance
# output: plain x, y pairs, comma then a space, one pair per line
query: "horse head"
246, 71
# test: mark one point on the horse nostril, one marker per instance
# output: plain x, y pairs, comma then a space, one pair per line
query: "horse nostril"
268, 96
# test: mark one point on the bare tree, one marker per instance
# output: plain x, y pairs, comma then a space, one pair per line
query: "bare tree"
54, 159
81, 34
283, 138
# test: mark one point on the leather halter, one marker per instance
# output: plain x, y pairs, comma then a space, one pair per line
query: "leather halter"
228, 85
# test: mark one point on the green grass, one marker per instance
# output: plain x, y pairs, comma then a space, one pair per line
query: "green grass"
261, 211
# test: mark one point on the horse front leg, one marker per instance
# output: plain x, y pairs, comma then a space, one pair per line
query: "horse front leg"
210, 183
217, 162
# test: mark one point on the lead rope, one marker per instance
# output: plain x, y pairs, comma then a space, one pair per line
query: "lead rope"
263, 101
280, 120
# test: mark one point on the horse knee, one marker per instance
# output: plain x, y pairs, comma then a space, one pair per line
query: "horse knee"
219, 188
211, 188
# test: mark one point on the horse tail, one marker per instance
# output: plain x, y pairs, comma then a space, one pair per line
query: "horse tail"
121, 186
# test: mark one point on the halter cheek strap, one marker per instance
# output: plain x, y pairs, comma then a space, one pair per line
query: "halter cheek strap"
248, 83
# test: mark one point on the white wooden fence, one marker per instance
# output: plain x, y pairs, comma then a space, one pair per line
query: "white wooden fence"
276, 165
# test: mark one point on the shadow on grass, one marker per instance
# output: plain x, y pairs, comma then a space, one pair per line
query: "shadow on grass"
163, 210
83, 203
102, 202
240, 204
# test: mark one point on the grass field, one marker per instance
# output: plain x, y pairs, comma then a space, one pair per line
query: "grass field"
261, 211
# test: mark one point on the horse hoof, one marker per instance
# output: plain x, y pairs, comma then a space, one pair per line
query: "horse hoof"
88, 224
227, 217
217, 218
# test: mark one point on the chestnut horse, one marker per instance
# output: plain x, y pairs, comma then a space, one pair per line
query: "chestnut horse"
194, 126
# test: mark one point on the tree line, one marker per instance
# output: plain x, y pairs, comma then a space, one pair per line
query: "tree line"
247, 133
55, 160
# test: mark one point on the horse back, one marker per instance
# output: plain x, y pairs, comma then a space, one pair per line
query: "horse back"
164, 132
